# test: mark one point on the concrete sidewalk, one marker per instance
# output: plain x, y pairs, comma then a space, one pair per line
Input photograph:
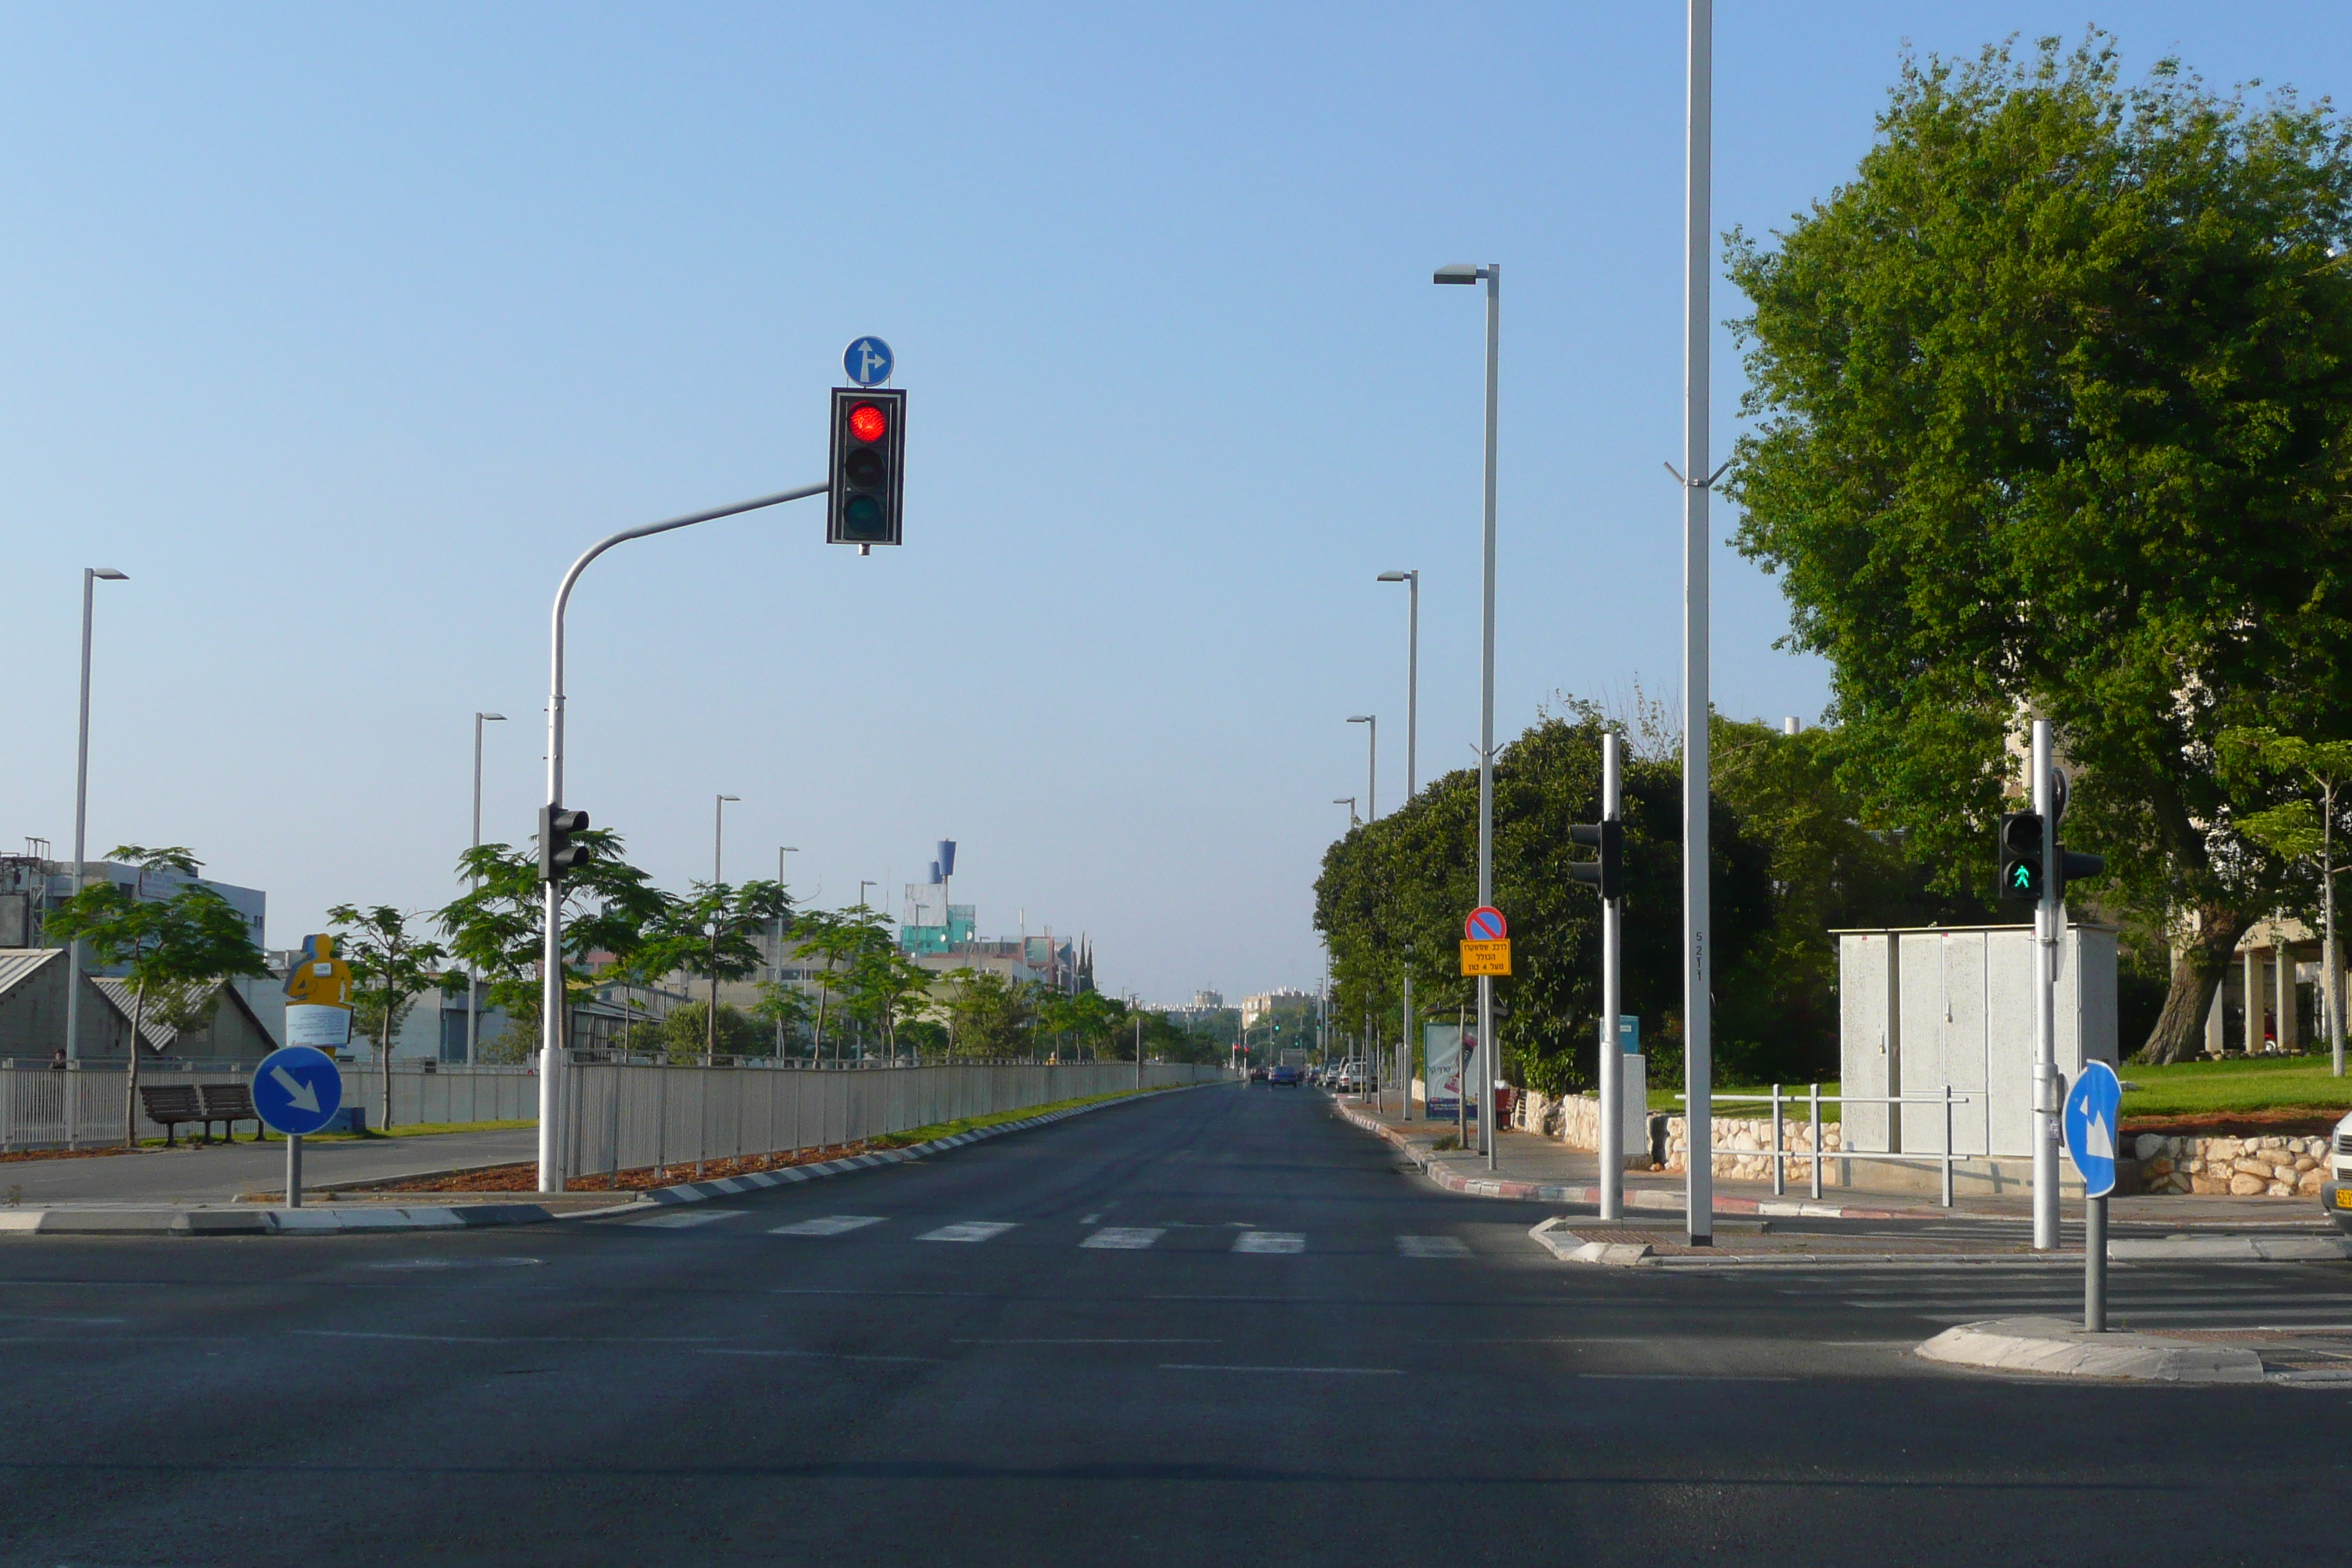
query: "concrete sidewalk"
1527, 1166
217, 1173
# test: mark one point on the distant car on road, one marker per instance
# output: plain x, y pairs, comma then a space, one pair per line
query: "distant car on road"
1282, 1078
1257, 1074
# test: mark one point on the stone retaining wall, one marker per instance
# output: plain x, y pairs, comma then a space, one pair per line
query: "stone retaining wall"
2247, 1167
1743, 1145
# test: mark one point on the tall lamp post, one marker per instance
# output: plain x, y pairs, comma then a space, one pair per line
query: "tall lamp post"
1492, 276
783, 923
1695, 479
550, 994
717, 879
473, 981
90, 577
1372, 764
1411, 747
1350, 802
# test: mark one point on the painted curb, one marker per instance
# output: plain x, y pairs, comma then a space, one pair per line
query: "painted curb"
2234, 1248
2051, 1347
1554, 1236
1636, 1197
472, 1216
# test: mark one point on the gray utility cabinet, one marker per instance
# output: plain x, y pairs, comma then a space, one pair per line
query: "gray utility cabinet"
1953, 1005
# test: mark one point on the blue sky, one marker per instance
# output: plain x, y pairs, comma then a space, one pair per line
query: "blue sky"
343, 328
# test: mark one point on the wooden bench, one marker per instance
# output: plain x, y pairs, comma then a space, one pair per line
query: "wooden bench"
228, 1104
168, 1105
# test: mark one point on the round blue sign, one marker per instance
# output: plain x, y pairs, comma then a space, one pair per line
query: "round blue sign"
2093, 1108
867, 362
298, 1089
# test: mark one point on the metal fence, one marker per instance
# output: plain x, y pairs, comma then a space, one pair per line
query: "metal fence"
623, 1114
620, 1116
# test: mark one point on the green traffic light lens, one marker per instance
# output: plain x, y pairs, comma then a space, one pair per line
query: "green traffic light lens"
861, 518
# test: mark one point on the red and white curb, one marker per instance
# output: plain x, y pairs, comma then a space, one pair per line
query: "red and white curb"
1454, 1181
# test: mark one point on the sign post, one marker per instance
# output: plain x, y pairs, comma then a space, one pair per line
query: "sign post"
1485, 954
2093, 1106
297, 1089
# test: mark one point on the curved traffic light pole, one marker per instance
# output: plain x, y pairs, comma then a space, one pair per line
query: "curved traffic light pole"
551, 1018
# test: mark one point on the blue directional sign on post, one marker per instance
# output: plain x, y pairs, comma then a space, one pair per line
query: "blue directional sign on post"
2092, 1107
866, 361
298, 1089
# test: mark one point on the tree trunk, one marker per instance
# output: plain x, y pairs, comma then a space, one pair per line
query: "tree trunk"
131, 1078
2197, 972
384, 1058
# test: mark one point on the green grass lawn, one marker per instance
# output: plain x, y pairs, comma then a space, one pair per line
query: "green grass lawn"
973, 1123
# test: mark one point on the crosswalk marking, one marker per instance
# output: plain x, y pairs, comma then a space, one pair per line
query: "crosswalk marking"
967, 1230
1123, 1238
1431, 1247
1269, 1241
681, 1219
831, 1225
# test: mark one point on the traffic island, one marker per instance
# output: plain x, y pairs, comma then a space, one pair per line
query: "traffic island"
2051, 1347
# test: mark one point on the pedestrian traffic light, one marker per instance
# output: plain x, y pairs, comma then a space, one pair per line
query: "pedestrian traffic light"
2021, 855
1608, 873
869, 445
560, 854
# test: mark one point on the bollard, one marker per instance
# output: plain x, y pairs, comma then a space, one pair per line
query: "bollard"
1817, 1140
1780, 1166
1948, 1145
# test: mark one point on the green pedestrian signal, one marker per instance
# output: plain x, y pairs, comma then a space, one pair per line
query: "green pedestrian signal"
2021, 856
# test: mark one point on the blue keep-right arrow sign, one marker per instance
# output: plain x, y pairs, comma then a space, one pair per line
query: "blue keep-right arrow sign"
2093, 1106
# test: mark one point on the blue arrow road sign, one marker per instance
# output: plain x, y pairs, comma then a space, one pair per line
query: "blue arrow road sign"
2092, 1107
298, 1089
868, 361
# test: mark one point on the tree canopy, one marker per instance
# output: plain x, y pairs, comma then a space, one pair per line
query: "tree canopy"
2054, 407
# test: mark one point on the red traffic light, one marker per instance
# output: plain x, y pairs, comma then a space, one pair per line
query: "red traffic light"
868, 423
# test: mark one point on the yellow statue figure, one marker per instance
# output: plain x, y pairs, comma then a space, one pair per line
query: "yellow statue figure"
318, 978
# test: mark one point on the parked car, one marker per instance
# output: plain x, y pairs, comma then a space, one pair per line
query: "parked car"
2335, 1191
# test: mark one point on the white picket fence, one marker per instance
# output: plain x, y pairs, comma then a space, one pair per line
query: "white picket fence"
622, 1115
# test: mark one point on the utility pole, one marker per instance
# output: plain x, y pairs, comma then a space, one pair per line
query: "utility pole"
1613, 1054
1698, 1001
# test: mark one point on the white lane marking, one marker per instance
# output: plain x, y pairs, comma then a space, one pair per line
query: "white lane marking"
831, 1225
1327, 1371
967, 1230
1123, 1237
1098, 1342
35, 1318
401, 1265
1270, 1241
1677, 1377
1090, 1219
685, 1217
810, 1355
1431, 1247
510, 1339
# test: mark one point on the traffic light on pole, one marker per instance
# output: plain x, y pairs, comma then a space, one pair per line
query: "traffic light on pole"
1607, 873
869, 445
560, 854
2071, 865
2021, 856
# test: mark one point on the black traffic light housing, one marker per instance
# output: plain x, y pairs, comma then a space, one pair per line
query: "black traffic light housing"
2021, 856
559, 853
2073, 864
1607, 873
869, 448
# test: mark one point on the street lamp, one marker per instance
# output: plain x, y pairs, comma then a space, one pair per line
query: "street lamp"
1464, 272
783, 921
473, 1018
1372, 765
1411, 673
1350, 802
91, 575
550, 994
717, 878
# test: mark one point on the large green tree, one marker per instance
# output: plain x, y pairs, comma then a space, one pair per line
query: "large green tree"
2053, 418
713, 934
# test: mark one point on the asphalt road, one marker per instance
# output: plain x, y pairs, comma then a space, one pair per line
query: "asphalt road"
1218, 1327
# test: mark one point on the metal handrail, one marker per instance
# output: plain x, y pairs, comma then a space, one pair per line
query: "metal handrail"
1781, 1156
